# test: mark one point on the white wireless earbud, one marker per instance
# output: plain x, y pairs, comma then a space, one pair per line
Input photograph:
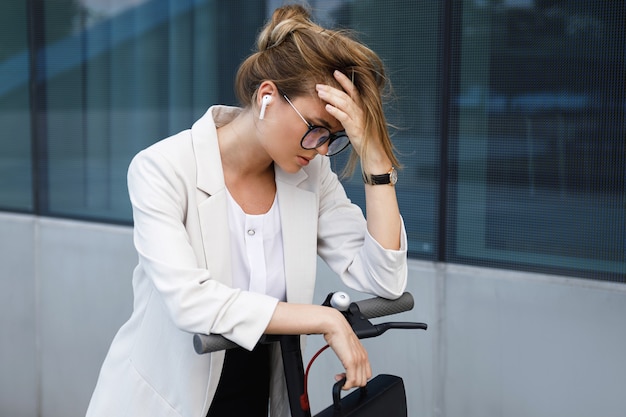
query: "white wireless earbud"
264, 102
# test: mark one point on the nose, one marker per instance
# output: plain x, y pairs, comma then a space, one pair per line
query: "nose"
323, 148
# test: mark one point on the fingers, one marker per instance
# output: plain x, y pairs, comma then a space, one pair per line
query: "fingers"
339, 377
344, 105
358, 370
357, 374
346, 101
338, 101
346, 84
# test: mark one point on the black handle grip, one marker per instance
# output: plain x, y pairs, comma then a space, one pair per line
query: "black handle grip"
379, 307
207, 343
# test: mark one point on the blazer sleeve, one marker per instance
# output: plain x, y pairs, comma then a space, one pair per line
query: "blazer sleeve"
163, 195
349, 250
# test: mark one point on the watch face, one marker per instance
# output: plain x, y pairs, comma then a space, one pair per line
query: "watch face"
389, 178
393, 177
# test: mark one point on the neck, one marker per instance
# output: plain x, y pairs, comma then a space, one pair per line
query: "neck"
242, 155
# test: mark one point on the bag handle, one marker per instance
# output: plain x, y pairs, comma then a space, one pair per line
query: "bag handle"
337, 394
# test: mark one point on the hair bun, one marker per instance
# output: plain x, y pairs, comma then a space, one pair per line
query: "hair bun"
285, 20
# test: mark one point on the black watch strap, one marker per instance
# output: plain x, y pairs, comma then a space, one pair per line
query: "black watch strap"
390, 177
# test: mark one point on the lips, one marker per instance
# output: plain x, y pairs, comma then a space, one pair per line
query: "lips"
303, 160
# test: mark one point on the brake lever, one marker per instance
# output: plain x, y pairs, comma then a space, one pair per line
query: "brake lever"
363, 328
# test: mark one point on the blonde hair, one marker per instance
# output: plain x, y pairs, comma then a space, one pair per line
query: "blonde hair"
296, 53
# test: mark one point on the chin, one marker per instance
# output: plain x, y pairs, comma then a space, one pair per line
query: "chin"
290, 168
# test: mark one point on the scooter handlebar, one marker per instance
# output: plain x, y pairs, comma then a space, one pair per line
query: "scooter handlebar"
370, 308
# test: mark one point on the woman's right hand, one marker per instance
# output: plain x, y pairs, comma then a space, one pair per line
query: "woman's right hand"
350, 351
291, 318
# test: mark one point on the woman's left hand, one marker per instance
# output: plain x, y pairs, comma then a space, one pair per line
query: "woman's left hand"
345, 106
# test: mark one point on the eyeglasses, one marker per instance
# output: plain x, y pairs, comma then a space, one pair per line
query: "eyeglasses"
316, 136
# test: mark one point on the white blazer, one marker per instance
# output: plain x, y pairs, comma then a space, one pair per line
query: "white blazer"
182, 283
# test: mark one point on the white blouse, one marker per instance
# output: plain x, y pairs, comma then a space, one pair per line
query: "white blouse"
257, 250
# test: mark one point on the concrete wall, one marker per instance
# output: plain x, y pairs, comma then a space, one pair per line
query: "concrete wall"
64, 291
500, 343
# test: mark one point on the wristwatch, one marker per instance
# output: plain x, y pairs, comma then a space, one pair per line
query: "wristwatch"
389, 178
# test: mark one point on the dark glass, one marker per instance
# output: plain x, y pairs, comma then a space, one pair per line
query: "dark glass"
119, 76
407, 35
539, 155
16, 181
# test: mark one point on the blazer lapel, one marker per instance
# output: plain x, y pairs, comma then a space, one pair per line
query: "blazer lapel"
211, 194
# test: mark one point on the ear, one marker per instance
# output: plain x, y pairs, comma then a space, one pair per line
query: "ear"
267, 88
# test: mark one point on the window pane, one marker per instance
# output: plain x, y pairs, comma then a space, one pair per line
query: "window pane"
15, 140
407, 37
540, 154
119, 77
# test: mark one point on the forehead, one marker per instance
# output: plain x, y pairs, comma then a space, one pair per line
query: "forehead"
313, 109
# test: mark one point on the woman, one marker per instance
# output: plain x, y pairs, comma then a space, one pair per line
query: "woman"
230, 217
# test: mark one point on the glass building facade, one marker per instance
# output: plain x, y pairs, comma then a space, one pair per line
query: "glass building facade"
508, 115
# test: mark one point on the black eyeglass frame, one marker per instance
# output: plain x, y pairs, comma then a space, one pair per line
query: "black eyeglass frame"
330, 138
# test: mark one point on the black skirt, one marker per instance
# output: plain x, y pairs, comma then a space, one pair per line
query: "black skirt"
244, 385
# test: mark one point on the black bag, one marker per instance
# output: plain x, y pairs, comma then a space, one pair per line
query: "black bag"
382, 396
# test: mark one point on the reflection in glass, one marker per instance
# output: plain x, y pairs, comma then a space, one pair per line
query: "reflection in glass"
540, 153
16, 184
